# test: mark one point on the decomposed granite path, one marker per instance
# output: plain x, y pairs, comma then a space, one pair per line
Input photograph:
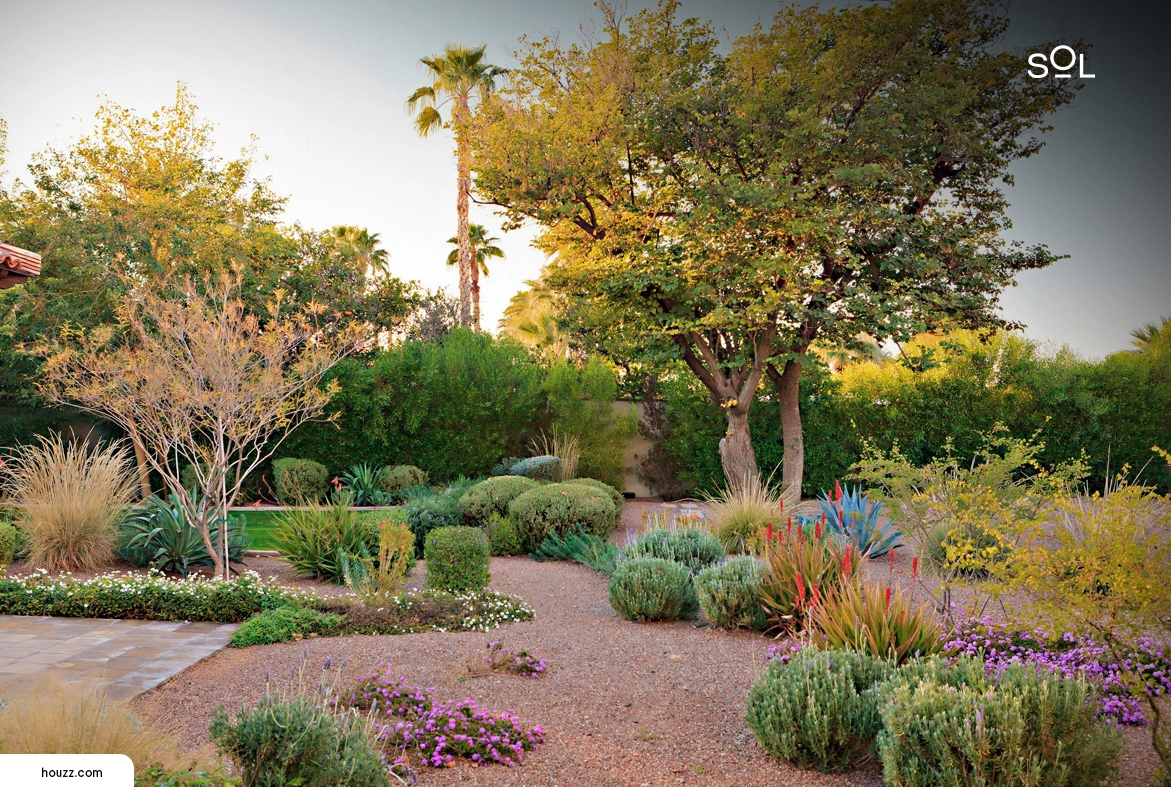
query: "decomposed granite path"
129, 656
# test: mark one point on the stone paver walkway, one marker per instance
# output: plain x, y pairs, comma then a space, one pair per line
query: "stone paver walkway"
130, 656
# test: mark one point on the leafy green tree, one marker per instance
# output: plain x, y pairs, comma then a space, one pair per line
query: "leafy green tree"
457, 76
837, 173
482, 248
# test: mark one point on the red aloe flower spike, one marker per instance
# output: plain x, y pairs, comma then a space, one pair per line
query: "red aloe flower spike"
815, 598
892, 559
769, 532
837, 491
800, 591
886, 595
915, 567
790, 524
800, 535
817, 531
846, 563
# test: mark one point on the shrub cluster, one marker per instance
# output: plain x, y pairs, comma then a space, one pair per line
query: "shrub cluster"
503, 537
729, 594
931, 722
457, 559
282, 624
493, 496
429, 512
650, 588
562, 509
299, 481
148, 596
392, 480
614, 494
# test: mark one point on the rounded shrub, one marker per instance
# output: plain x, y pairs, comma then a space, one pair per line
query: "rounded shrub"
614, 494
697, 549
299, 481
280, 625
493, 496
392, 480
542, 468
562, 509
9, 536
1029, 727
819, 710
650, 588
503, 537
457, 559
729, 594
425, 514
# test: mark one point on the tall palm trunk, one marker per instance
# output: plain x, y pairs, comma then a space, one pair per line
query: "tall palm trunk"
475, 288
463, 152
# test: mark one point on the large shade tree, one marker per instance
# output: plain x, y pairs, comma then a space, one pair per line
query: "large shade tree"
840, 172
459, 76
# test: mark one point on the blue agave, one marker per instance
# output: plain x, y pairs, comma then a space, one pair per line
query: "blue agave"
855, 517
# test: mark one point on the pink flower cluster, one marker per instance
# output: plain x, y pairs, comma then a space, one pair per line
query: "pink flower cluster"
1072, 655
519, 663
412, 721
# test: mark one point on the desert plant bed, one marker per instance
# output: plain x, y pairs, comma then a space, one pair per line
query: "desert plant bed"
620, 702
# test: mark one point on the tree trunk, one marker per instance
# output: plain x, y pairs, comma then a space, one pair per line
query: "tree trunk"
463, 196
475, 289
737, 455
787, 384
143, 467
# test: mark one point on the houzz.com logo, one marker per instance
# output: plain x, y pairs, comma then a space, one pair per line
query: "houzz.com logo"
1041, 63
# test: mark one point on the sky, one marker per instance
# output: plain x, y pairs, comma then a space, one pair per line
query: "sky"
322, 86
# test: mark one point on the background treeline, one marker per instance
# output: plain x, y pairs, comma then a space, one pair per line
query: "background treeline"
1114, 410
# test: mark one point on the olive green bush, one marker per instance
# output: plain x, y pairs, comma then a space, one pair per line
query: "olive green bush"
493, 496
690, 546
614, 494
8, 542
562, 509
393, 479
650, 588
819, 710
283, 624
503, 536
299, 481
297, 741
457, 559
1029, 727
729, 594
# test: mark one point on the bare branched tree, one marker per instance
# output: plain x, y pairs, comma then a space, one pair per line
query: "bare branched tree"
196, 379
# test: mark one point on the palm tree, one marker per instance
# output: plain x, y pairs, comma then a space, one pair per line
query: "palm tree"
458, 75
365, 246
482, 249
532, 319
1152, 337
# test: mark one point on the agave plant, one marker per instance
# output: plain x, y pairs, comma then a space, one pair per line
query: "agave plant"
160, 536
363, 484
854, 516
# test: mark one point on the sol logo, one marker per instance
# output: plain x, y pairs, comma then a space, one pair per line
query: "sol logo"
1061, 52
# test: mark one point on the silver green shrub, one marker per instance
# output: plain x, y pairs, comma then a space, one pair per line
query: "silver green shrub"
729, 594
650, 588
697, 549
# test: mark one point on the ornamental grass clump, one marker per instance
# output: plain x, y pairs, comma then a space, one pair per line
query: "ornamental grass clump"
819, 710
652, 589
729, 594
881, 620
1027, 727
689, 546
457, 559
73, 496
741, 511
313, 539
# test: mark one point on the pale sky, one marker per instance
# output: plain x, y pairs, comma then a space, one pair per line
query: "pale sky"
323, 87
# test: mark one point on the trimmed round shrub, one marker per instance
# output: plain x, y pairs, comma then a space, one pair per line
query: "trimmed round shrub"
503, 466
649, 588
457, 559
493, 496
819, 710
280, 625
425, 514
614, 494
9, 536
394, 479
503, 537
729, 594
562, 509
300, 481
697, 549
542, 468
1029, 727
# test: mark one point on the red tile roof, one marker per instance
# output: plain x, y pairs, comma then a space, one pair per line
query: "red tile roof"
16, 265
